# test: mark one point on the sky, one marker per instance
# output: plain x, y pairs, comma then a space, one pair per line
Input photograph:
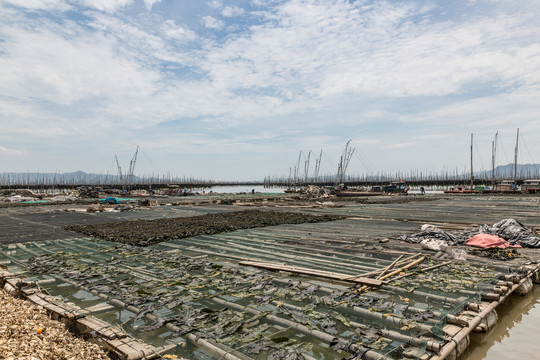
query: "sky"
234, 90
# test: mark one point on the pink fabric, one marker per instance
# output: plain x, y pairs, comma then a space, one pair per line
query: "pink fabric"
489, 241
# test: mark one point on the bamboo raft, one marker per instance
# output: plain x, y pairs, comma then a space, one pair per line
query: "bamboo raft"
478, 316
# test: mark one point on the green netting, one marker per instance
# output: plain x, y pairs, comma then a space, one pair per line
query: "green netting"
254, 311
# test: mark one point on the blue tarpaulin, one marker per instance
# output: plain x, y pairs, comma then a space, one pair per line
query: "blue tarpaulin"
111, 200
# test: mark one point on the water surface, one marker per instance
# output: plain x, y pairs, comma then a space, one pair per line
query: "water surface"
516, 334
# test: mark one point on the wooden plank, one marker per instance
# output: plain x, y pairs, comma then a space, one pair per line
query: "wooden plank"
104, 329
312, 272
5, 274
131, 349
100, 308
57, 306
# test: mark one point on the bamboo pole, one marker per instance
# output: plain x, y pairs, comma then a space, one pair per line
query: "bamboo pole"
390, 288
401, 262
388, 267
381, 270
311, 272
416, 262
422, 270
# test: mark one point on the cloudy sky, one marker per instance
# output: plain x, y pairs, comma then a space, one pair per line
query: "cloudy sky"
234, 89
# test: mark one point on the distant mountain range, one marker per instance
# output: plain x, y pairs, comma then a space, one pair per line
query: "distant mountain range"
524, 171
84, 178
62, 178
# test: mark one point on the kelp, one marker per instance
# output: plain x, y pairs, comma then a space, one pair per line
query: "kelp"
453, 278
496, 253
180, 289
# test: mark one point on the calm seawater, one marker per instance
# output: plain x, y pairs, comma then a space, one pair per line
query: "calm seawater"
516, 336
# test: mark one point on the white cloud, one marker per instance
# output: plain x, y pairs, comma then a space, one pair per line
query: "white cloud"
231, 11
345, 68
41, 4
216, 4
177, 32
505, 110
150, 3
108, 6
7, 151
211, 22
327, 49
47, 66
144, 44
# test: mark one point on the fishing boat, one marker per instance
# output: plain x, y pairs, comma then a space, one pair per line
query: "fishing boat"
531, 186
396, 187
504, 187
462, 190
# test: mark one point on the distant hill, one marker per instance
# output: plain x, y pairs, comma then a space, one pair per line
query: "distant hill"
524, 171
60, 178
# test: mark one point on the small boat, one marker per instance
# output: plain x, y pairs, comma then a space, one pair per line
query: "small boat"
462, 190
396, 187
503, 187
531, 186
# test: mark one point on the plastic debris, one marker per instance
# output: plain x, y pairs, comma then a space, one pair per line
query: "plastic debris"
111, 200
512, 231
459, 255
433, 232
434, 244
489, 241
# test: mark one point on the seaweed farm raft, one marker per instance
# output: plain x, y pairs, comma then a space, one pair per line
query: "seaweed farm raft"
289, 278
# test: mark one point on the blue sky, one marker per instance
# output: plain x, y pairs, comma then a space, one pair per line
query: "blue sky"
233, 90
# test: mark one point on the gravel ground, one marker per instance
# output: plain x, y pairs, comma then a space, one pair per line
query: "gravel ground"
20, 338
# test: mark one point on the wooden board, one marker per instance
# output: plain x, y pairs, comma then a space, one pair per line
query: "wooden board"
313, 272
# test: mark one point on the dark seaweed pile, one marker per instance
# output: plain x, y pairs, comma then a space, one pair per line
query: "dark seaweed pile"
496, 253
148, 232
